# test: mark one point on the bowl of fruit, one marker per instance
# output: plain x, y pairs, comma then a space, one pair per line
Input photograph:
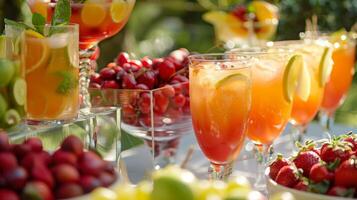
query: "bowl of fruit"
325, 170
28, 172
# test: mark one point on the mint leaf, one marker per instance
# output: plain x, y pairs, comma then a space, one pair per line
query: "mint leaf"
20, 25
38, 22
62, 13
68, 83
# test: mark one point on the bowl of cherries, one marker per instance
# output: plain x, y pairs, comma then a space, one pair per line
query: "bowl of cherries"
153, 95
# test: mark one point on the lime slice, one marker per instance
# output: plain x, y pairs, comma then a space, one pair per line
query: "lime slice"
7, 71
291, 76
3, 105
93, 14
325, 67
119, 10
230, 80
2, 46
303, 89
11, 117
19, 91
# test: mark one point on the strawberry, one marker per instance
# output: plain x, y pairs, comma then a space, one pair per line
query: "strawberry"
346, 174
335, 150
353, 141
319, 173
302, 186
276, 165
305, 160
341, 191
288, 176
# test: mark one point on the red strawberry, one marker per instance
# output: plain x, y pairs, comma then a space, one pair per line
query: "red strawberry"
346, 174
319, 173
276, 165
335, 150
341, 191
353, 141
305, 160
302, 186
287, 176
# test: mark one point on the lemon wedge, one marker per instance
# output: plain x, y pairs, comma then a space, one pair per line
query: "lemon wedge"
292, 76
325, 67
230, 80
119, 10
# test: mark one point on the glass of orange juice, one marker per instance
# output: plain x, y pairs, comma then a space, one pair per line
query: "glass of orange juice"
51, 62
220, 94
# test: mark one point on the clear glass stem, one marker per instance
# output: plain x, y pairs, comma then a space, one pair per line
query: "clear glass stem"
85, 67
164, 152
263, 154
298, 132
326, 120
220, 171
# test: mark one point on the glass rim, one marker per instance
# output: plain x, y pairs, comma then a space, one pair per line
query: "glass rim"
78, 3
70, 25
262, 50
215, 57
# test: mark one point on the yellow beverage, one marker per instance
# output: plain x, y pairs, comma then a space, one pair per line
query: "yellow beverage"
52, 75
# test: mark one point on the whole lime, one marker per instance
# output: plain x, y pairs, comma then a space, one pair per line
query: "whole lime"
7, 71
170, 188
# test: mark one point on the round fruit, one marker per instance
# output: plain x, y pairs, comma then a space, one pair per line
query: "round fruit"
7, 71
65, 173
68, 191
119, 10
12, 117
8, 195
72, 144
164, 187
93, 14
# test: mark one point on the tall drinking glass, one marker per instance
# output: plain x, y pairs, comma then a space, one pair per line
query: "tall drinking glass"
98, 20
220, 95
51, 71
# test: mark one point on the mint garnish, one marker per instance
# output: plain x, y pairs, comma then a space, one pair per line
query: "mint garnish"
62, 13
38, 22
68, 83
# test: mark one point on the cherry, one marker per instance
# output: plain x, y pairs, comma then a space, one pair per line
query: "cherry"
106, 179
122, 58
72, 144
148, 78
91, 164
16, 178
107, 73
60, 157
37, 189
128, 110
8, 161
144, 103
89, 183
127, 67
166, 70
95, 78
110, 85
179, 100
129, 81
94, 85
40, 172
20, 150
177, 87
65, 173
35, 144
8, 194
176, 62
69, 190
136, 64
156, 62
161, 102
168, 90
141, 87
180, 78
146, 62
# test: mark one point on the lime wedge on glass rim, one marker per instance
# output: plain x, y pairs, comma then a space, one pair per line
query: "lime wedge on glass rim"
325, 67
230, 80
293, 74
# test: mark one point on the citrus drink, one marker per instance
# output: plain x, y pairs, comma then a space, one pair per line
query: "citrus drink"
97, 19
220, 95
52, 74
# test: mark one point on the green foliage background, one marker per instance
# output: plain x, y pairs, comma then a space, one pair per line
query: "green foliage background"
158, 26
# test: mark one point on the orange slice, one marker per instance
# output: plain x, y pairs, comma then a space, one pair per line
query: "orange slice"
40, 7
119, 10
37, 46
264, 10
93, 14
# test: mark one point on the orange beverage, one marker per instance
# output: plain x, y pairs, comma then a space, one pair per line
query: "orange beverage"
341, 76
52, 73
270, 110
220, 93
97, 19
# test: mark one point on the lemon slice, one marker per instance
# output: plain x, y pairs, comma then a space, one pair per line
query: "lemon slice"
325, 67
292, 76
38, 48
303, 89
93, 14
230, 80
119, 10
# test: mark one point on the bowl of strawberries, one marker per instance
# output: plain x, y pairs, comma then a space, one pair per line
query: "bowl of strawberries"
322, 170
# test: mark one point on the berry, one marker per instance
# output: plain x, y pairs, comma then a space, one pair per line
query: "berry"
4, 142
122, 58
177, 87
319, 173
16, 178
110, 85
95, 78
179, 100
6, 194
129, 81
91, 164
106, 179
287, 176
352, 141
60, 157
107, 74
144, 103
148, 79
161, 102
72, 144
302, 186
166, 70
168, 90
305, 160
69, 190
141, 87
128, 110
32, 159
8, 161
41, 173
180, 78
65, 173
341, 192
276, 165
346, 174
20, 150
34, 143
89, 183
136, 64
37, 189
335, 150
94, 85
146, 62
